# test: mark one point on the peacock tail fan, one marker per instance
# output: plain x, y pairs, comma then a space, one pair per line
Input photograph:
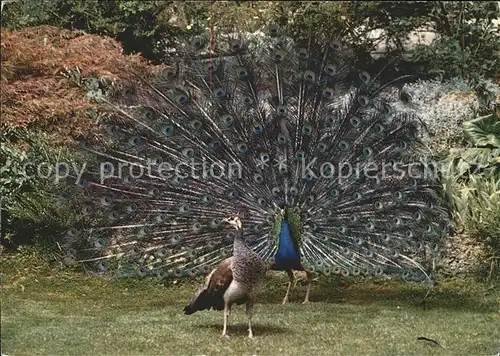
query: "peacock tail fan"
261, 124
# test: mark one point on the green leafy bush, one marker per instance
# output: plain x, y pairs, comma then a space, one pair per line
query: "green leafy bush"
487, 230
466, 44
483, 155
31, 208
478, 201
472, 174
473, 184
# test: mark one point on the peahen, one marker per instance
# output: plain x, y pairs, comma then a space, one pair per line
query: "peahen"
313, 148
236, 280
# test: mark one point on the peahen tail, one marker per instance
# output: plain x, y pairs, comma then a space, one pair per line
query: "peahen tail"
283, 131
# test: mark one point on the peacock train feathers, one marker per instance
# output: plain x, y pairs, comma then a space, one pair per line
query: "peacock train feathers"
310, 147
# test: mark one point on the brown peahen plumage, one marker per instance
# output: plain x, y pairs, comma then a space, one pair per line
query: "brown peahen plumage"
236, 280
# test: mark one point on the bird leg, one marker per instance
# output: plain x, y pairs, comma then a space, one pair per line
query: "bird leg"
291, 277
249, 307
309, 283
227, 312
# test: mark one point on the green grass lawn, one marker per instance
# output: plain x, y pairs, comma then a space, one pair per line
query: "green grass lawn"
64, 313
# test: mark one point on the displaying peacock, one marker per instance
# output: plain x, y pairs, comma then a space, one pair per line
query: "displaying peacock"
310, 146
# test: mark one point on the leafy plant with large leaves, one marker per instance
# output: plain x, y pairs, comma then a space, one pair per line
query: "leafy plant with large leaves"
472, 180
483, 154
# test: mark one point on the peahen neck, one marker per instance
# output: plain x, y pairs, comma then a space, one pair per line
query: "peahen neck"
247, 267
239, 244
287, 256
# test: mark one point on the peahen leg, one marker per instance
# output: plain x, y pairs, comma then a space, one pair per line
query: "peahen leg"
249, 308
227, 312
291, 277
309, 284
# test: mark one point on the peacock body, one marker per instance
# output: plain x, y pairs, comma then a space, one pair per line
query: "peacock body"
309, 145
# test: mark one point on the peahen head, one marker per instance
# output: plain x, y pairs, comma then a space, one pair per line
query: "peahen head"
234, 221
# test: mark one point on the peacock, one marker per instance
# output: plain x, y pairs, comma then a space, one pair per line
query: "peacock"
235, 281
327, 164
287, 259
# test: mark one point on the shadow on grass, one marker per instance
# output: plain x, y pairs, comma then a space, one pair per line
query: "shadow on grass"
386, 294
242, 329
454, 296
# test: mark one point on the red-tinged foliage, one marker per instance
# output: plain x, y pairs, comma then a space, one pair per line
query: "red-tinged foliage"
36, 94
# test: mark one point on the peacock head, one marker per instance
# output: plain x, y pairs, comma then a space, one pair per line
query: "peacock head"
282, 210
234, 221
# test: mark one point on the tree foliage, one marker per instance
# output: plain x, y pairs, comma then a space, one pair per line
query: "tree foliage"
139, 25
467, 42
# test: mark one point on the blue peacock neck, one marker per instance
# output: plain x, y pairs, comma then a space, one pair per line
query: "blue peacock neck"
287, 256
